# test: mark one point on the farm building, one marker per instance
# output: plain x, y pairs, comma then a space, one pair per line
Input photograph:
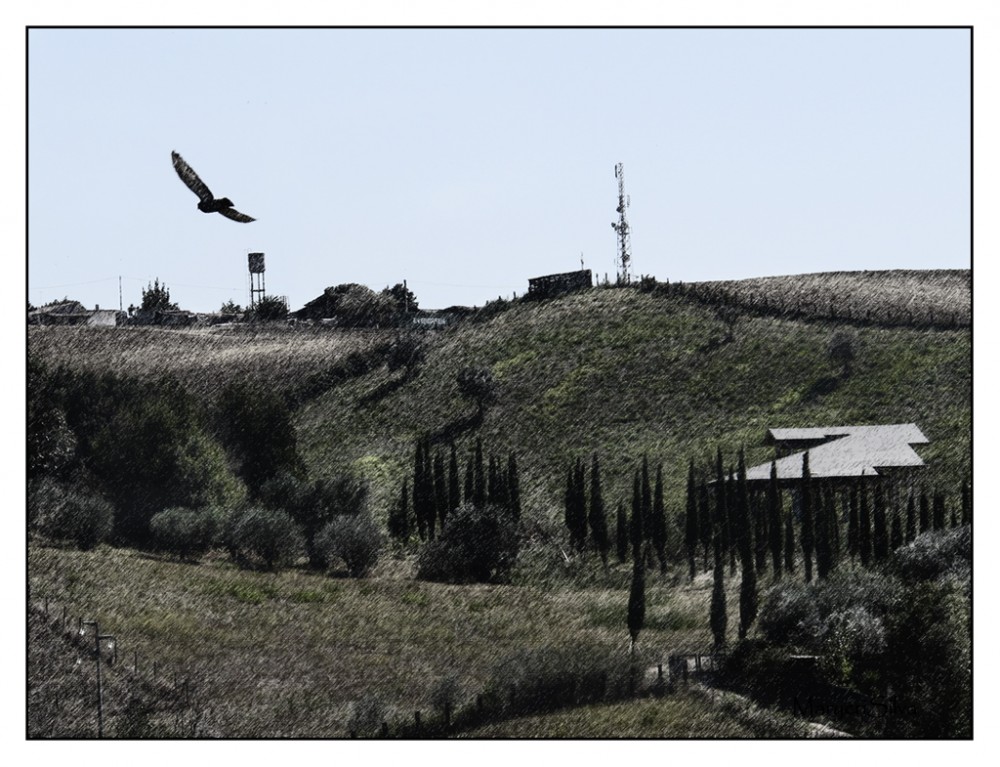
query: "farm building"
842, 452
557, 284
839, 456
73, 313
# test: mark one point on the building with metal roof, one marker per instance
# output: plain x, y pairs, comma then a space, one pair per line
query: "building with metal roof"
842, 452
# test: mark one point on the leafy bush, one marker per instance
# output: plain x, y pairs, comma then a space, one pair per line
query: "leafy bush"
264, 535
354, 539
549, 677
270, 308
314, 504
477, 545
151, 452
184, 532
66, 513
934, 554
789, 614
877, 591
929, 660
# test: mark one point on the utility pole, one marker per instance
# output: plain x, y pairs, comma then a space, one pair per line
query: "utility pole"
98, 638
621, 226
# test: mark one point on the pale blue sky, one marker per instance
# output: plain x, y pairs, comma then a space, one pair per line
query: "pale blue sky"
467, 161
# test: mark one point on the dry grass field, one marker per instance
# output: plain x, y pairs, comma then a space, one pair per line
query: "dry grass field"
204, 359
288, 654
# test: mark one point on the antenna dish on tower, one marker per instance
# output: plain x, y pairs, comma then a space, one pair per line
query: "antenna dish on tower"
624, 255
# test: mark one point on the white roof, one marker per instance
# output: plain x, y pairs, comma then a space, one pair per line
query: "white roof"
849, 451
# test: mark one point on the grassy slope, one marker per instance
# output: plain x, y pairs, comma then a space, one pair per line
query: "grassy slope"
620, 372
693, 713
626, 373
286, 654
203, 359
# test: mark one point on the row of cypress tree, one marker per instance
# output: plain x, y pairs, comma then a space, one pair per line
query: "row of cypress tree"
874, 528
753, 524
647, 524
438, 491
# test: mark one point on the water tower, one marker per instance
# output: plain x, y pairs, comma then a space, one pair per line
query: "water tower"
256, 263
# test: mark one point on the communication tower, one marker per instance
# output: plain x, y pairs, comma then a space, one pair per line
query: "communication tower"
256, 263
623, 259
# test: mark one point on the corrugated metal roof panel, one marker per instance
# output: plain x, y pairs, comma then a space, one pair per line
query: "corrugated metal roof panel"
851, 451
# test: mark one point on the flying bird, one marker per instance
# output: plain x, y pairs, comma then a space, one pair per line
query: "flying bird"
208, 204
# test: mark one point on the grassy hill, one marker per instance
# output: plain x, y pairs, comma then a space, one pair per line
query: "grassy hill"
627, 373
623, 372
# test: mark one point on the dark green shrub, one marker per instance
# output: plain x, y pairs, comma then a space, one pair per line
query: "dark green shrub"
476, 545
789, 614
66, 513
313, 504
933, 554
355, 540
267, 536
185, 532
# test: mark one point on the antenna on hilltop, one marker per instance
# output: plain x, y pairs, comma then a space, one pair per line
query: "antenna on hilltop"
624, 255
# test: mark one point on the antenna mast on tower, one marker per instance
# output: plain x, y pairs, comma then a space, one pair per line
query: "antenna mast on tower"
624, 255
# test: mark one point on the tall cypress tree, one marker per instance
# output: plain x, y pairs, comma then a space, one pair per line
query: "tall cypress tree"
705, 530
637, 603
704, 508
774, 527
691, 528
966, 503
440, 489
721, 498
834, 519
880, 526
760, 515
808, 529
717, 613
598, 520
635, 523
911, 518
399, 517
454, 493
822, 528
580, 495
732, 521
647, 510
513, 487
659, 532
470, 484
789, 543
852, 523
896, 530
748, 587
479, 478
864, 524
569, 505
925, 510
621, 533
492, 481
429, 494
939, 512
419, 503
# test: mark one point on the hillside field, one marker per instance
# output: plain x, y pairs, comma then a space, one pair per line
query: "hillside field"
623, 373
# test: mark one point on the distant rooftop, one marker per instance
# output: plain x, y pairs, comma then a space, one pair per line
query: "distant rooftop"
844, 451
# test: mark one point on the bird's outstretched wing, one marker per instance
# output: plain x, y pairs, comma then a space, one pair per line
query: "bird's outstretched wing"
190, 178
235, 215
